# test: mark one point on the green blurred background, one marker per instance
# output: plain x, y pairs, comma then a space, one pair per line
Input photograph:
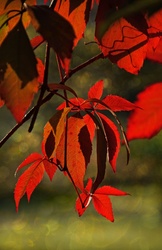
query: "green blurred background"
50, 220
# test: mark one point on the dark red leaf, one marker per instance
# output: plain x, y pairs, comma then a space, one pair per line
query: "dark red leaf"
113, 140
101, 148
55, 29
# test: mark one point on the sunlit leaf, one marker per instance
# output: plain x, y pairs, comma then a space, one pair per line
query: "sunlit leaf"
146, 122
96, 90
122, 42
116, 103
75, 160
50, 168
28, 181
30, 159
12, 93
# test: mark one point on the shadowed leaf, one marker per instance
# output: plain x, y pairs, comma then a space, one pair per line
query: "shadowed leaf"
55, 29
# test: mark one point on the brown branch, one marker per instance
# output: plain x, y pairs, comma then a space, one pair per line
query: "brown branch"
48, 97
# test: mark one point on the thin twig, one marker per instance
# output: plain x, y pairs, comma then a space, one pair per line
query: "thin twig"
48, 97
43, 87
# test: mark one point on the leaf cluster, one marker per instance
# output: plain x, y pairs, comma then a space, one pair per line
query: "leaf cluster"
127, 34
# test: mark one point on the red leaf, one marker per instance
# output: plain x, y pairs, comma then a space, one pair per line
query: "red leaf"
36, 41
53, 131
103, 206
146, 122
81, 207
100, 199
75, 159
28, 181
48, 22
101, 149
123, 43
113, 140
85, 145
50, 168
155, 29
90, 125
76, 14
108, 190
116, 103
30, 159
96, 90
102, 202
155, 54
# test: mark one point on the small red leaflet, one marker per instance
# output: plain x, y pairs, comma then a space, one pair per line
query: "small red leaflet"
100, 199
31, 177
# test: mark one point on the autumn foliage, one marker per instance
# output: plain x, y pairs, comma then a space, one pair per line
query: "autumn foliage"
124, 37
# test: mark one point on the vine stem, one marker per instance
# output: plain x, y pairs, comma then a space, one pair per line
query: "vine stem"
48, 97
43, 88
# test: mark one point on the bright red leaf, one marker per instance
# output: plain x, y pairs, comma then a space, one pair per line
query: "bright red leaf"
123, 42
31, 177
28, 181
146, 122
75, 161
100, 199
155, 54
96, 90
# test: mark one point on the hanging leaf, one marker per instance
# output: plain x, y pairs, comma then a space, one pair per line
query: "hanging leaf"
101, 150
55, 29
100, 199
12, 93
30, 159
22, 61
75, 160
28, 182
113, 140
77, 13
122, 42
50, 168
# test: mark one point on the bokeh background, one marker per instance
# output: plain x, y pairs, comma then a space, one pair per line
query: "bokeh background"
49, 221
